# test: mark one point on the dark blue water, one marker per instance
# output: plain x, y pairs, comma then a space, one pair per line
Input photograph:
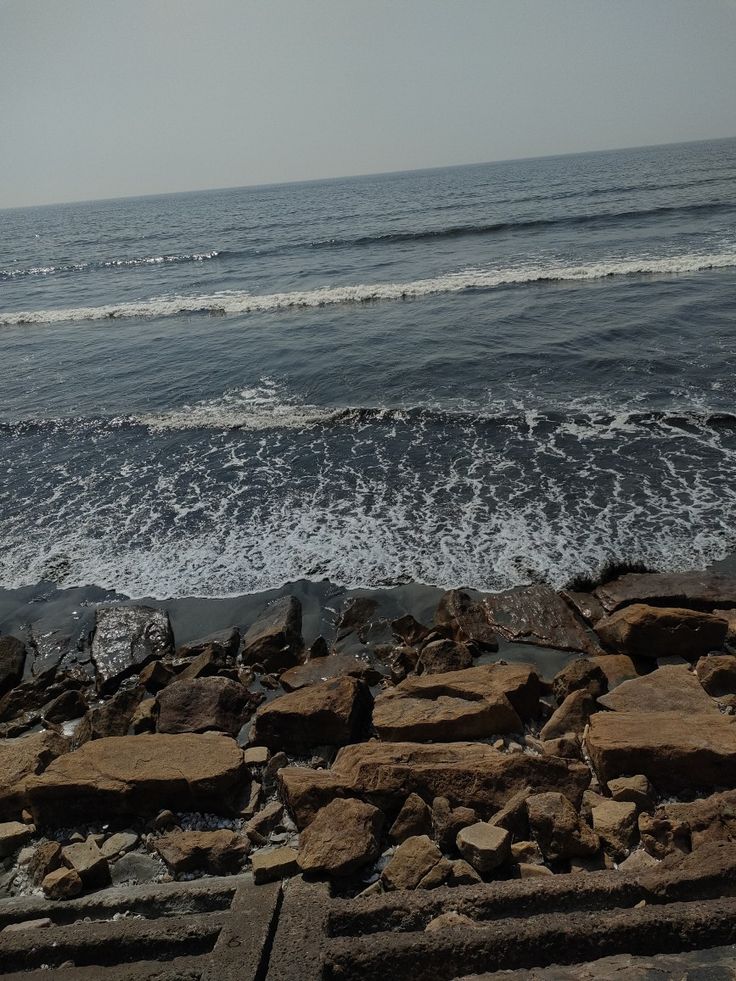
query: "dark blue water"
479, 375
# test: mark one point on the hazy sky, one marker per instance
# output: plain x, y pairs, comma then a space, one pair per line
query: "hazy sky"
100, 98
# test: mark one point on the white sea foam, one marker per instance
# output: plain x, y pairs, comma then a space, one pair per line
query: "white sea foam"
241, 302
19, 272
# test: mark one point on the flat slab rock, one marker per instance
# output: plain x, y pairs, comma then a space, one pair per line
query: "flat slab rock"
469, 774
647, 631
137, 775
678, 753
125, 639
702, 590
25, 756
673, 688
332, 666
539, 615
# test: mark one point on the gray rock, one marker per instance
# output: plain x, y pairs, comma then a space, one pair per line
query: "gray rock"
12, 660
135, 867
125, 639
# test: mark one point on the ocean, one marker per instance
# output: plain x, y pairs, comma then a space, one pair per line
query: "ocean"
481, 376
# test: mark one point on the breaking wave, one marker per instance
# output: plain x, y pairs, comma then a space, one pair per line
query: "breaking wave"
152, 260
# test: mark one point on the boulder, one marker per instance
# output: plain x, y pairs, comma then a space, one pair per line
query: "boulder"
512, 816
111, 718
155, 676
568, 746
62, 883
138, 775
125, 639
584, 674
634, 790
409, 630
68, 705
275, 638
558, 828
587, 605
202, 704
444, 655
46, 858
204, 665
448, 822
615, 822
717, 674
414, 818
617, 668
217, 852
538, 615
357, 614
328, 713
410, 863
12, 662
701, 590
13, 835
88, 862
572, 715
117, 844
673, 688
343, 837
275, 863
25, 756
468, 774
331, 666
467, 619
223, 643
685, 827
397, 717
677, 753
653, 632
462, 874
484, 846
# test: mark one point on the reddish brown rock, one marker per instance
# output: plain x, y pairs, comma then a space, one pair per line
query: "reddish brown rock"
275, 638
616, 824
329, 667
88, 862
700, 590
155, 676
448, 822
468, 620
409, 630
617, 668
484, 846
399, 717
684, 827
217, 852
673, 688
68, 705
414, 818
635, 790
651, 631
112, 718
538, 615
558, 828
581, 674
343, 837
329, 713
411, 862
46, 858
571, 716
717, 674
444, 655
62, 883
22, 757
205, 703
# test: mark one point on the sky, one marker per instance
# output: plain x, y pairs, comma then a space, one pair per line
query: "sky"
109, 98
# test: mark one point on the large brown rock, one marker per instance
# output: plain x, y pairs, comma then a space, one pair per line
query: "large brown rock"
414, 818
398, 717
558, 828
677, 753
332, 666
571, 716
539, 615
701, 590
218, 852
275, 638
112, 718
467, 619
717, 674
444, 655
615, 823
202, 704
673, 688
411, 862
125, 639
651, 631
343, 837
470, 774
137, 775
582, 673
691, 825
24, 757
330, 713
12, 661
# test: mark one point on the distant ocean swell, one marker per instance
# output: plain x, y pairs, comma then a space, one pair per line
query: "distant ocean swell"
129, 263
241, 302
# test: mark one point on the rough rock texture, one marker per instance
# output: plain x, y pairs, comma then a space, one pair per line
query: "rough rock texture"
559, 829
470, 774
134, 775
13, 834
410, 863
651, 631
202, 704
263, 823
331, 666
448, 822
675, 754
88, 862
571, 716
583, 673
68, 705
673, 688
467, 619
112, 718
702, 590
397, 716
155, 676
414, 818
539, 615
344, 836
617, 668
275, 638
276, 863
46, 858
62, 883
329, 713
512, 816
125, 639
615, 823
24, 757
717, 674
217, 852
222, 644
684, 827
635, 790
12, 660
484, 846
444, 655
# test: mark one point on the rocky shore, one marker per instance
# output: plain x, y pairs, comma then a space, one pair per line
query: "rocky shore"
384, 754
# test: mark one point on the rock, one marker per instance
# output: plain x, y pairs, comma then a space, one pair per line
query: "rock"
617, 668
572, 716
538, 615
437, 876
13, 835
278, 863
450, 921
615, 823
342, 838
62, 883
205, 703
164, 819
584, 674
448, 821
702, 590
410, 863
468, 620
46, 858
112, 718
444, 655
12, 662
462, 874
329, 713
469, 774
25, 756
559, 829
717, 674
357, 614
135, 867
587, 605
155, 676
204, 665
513, 816
677, 755
134, 775
41, 923
397, 716
263, 823
526, 852
484, 846
275, 638
125, 639
118, 844
637, 862
684, 827
414, 818
88, 862
569, 746
223, 644
256, 756
69, 705
670, 689
331, 666
651, 631
318, 648
145, 716
634, 790
220, 852
409, 630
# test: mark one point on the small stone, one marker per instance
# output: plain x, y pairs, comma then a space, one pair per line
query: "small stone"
256, 756
638, 861
527, 853
276, 763
39, 924
68, 705
62, 884
437, 876
144, 717
615, 823
278, 863
262, 824
13, 834
462, 874
512, 815
444, 655
449, 921
526, 871
46, 858
155, 676
164, 819
411, 861
88, 861
572, 715
119, 843
448, 821
255, 800
581, 674
136, 868
218, 852
567, 747
414, 818
636, 790
484, 846
343, 837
